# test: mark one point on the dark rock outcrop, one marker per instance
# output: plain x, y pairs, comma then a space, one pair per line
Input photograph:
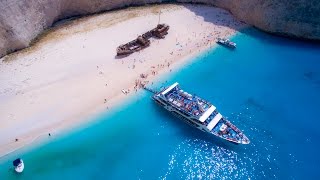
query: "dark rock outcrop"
22, 20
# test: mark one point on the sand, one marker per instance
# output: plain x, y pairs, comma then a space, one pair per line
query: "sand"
71, 73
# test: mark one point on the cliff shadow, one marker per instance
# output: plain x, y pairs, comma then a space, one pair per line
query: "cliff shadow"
216, 16
278, 40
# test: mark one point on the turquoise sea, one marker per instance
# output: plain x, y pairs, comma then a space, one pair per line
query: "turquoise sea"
269, 87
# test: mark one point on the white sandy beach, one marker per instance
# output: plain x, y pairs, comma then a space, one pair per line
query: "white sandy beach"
64, 79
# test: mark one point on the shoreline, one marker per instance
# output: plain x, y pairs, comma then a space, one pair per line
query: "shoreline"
75, 115
33, 142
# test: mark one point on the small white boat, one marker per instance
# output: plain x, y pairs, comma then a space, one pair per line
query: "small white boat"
18, 165
226, 42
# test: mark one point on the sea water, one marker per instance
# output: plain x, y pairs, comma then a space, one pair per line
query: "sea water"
269, 87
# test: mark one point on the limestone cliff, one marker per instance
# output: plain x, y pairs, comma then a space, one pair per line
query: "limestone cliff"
22, 20
294, 18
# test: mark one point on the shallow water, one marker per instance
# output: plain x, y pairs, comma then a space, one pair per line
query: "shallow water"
269, 87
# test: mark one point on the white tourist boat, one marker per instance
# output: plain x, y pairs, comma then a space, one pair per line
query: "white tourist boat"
198, 113
226, 42
18, 165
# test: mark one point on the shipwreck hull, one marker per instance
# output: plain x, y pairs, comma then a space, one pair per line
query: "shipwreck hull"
142, 41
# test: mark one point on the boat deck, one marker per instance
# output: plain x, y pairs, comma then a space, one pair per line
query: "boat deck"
191, 105
226, 130
219, 126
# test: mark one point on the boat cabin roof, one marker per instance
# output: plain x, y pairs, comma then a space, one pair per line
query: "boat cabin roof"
206, 114
170, 88
200, 108
214, 121
16, 162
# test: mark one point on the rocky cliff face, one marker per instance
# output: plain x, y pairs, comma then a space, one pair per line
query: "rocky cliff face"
294, 18
22, 20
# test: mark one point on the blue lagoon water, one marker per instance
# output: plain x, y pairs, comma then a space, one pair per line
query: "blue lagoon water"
269, 87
